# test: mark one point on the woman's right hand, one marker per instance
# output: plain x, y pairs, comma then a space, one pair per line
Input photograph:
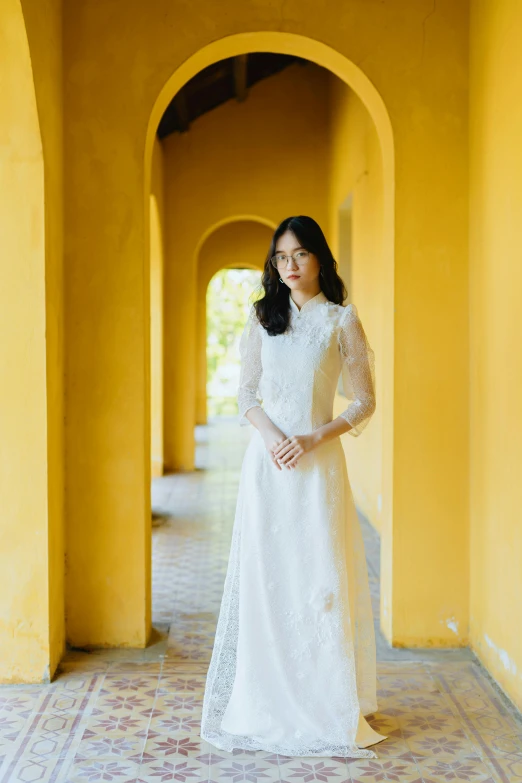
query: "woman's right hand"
272, 438
271, 434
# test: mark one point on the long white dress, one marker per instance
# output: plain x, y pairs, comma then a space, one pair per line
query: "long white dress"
293, 667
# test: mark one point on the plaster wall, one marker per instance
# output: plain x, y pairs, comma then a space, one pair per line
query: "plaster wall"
496, 334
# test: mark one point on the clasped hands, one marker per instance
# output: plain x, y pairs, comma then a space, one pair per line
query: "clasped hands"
287, 451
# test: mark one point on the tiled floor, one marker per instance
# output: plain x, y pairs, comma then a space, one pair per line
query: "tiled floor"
134, 715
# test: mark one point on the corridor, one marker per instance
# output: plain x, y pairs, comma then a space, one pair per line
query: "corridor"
130, 715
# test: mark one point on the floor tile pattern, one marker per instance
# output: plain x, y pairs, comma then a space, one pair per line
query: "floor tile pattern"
133, 715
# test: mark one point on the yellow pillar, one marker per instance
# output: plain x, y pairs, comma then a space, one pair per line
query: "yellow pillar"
201, 349
31, 547
429, 545
180, 368
156, 308
107, 436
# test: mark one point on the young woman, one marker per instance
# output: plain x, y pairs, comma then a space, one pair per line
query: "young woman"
293, 665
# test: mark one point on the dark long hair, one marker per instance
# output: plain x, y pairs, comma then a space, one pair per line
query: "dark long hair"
273, 309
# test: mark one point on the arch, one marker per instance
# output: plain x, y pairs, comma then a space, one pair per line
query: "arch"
355, 78
205, 270
280, 43
226, 221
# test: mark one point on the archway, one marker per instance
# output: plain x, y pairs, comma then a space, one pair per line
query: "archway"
352, 76
423, 274
253, 236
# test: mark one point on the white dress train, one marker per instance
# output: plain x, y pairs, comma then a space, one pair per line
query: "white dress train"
293, 667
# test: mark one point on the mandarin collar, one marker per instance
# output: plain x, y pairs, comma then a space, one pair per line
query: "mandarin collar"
309, 305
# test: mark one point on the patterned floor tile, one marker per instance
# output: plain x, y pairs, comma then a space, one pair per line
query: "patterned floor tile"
436, 744
99, 746
164, 770
506, 770
507, 745
52, 735
422, 723
451, 770
134, 715
130, 683
244, 768
377, 770
182, 683
109, 768
28, 769
314, 768
181, 745
19, 702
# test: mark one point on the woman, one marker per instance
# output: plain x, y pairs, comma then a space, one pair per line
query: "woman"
293, 664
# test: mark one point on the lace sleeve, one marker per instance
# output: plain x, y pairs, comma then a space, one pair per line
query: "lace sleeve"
251, 368
358, 371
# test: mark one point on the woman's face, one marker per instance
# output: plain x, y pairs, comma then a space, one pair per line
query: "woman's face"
304, 277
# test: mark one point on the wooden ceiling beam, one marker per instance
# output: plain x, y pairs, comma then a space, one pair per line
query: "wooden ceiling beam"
180, 104
201, 81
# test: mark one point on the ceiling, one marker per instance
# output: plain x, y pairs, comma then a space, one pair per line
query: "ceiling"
222, 81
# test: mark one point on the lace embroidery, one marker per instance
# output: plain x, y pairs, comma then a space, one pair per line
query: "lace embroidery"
251, 368
297, 547
358, 370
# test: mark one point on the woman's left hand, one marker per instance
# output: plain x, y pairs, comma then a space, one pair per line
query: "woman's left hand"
292, 449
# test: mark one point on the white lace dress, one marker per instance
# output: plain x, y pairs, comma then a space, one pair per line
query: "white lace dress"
293, 667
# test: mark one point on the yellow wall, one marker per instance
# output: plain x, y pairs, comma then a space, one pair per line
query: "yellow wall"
31, 360
435, 529
495, 356
443, 445
412, 79
157, 211
232, 157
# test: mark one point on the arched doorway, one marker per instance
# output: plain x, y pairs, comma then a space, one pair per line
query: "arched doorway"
424, 501
240, 242
186, 393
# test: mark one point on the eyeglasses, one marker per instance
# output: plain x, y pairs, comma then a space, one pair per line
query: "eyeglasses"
280, 259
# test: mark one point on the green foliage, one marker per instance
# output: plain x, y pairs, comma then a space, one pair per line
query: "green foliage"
229, 296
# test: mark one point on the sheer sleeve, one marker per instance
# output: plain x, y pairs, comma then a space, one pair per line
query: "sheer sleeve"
251, 367
357, 369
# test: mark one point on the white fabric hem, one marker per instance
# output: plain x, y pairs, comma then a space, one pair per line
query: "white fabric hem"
231, 743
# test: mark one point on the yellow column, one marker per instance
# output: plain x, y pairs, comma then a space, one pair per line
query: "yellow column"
180, 369
429, 543
156, 307
31, 543
107, 435
201, 369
